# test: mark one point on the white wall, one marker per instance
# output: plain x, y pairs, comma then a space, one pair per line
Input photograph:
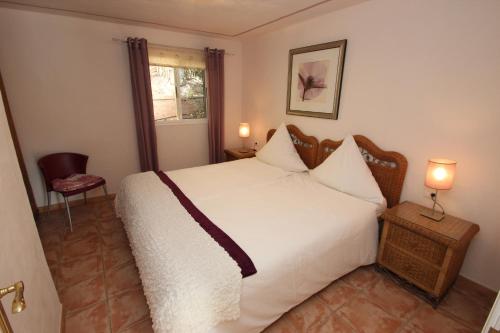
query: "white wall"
21, 253
182, 153
421, 77
69, 89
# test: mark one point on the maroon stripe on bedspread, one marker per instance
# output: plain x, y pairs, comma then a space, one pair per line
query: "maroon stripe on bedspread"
242, 259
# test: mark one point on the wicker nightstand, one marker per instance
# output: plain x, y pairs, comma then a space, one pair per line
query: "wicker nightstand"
426, 253
235, 154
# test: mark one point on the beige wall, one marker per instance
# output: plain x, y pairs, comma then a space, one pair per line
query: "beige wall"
421, 77
21, 253
69, 88
182, 153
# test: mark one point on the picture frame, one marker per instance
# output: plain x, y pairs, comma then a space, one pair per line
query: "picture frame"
315, 79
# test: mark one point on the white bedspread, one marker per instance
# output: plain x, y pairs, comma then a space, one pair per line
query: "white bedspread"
190, 282
300, 235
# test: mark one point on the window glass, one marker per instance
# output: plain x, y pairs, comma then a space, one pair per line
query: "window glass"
163, 88
178, 85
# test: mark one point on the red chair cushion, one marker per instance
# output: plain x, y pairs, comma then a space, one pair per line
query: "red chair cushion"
75, 182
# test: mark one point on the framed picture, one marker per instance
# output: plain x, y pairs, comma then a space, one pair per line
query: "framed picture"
315, 80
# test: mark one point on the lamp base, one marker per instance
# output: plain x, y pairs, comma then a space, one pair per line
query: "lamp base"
432, 214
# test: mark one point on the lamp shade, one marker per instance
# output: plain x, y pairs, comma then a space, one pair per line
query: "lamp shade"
440, 174
244, 130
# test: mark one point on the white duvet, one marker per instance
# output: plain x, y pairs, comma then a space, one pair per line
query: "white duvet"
300, 235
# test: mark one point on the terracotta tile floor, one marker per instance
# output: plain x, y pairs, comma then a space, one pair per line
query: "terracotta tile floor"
99, 286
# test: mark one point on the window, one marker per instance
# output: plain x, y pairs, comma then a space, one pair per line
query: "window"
178, 85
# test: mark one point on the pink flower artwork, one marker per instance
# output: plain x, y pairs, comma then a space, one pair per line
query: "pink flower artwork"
311, 83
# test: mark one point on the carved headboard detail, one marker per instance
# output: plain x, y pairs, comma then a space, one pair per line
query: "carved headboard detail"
307, 146
388, 167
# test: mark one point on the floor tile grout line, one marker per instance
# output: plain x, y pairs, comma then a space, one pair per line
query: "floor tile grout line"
62, 289
65, 285
364, 291
123, 292
86, 307
323, 320
343, 316
140, 320
410, 317
70, 313
108, 295
89, 306
104, 274
416, 297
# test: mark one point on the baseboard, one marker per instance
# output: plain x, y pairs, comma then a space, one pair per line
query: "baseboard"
487, 289
73, 203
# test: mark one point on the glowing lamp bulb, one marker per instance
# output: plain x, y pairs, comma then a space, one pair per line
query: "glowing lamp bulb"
439, 173
244, 130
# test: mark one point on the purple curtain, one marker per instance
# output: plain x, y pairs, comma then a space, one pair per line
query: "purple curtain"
215, 76
143, 103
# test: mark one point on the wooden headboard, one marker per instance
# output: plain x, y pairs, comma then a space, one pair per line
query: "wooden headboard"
307, 146
388, 167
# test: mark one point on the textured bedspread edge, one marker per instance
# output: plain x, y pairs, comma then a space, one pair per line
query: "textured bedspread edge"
230, 246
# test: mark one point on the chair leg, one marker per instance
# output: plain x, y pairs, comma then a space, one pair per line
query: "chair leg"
85, 197
58, 202
106, 198
69, 214
49, 196
105, 191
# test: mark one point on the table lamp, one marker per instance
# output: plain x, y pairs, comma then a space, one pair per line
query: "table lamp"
244, 132
440, 174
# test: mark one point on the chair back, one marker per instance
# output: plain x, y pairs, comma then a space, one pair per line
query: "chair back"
61, 165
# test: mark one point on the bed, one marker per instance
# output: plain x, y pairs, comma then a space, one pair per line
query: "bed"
299, 234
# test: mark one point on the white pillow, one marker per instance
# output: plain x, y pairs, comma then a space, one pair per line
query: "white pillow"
281, 152
346, 170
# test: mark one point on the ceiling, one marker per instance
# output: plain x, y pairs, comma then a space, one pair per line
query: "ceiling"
230, 18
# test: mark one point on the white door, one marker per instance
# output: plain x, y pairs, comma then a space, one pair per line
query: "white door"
21, 253
493, 322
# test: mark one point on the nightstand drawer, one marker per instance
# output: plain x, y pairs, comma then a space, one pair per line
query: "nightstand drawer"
417, 271
419, 245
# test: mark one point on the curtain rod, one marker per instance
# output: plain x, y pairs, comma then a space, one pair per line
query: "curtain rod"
169, 46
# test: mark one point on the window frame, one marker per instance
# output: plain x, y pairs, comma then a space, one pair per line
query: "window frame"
180, 120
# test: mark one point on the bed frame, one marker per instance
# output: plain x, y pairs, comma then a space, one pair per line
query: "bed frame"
388, 167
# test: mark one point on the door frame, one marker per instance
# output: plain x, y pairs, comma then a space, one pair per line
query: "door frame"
19, 153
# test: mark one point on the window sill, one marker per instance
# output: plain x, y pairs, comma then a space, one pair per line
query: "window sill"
181, 122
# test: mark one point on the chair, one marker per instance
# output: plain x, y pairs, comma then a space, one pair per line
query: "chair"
65, 173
